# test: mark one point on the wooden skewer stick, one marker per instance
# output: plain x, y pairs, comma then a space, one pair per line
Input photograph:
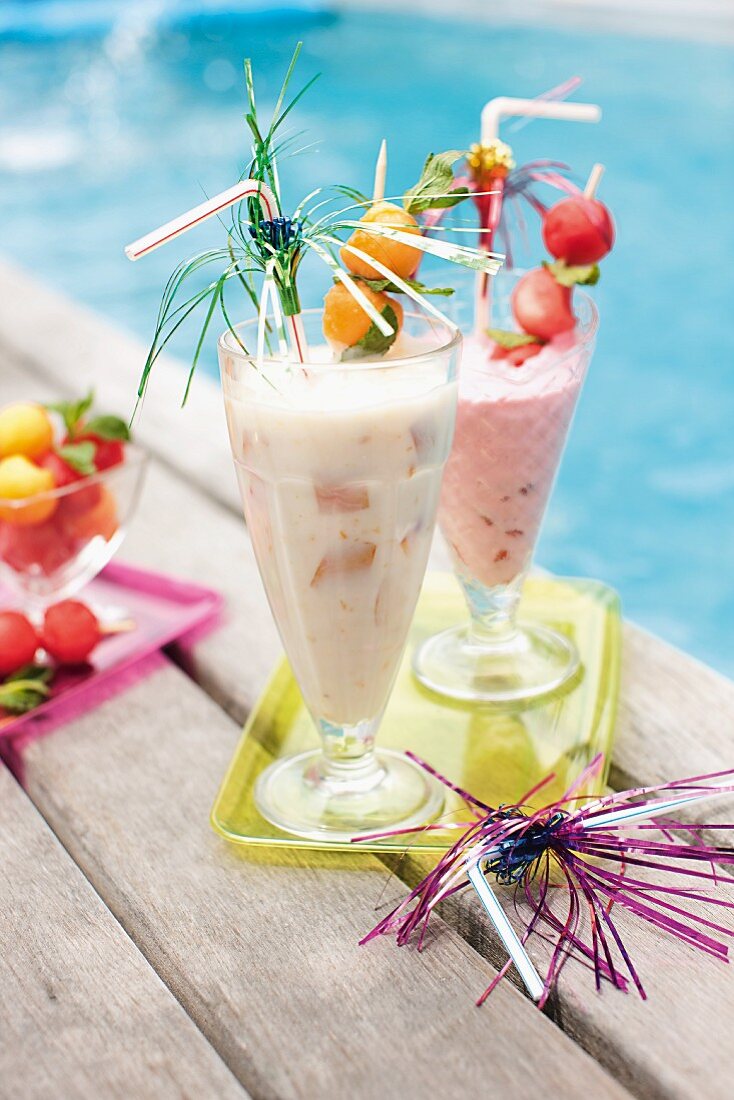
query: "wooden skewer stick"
118, 626
593, 181
378, 191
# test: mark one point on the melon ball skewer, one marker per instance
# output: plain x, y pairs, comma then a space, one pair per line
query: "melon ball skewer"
579, 230
398, 256
575, 235
346, 324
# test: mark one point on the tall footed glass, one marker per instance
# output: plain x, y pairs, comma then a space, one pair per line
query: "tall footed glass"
511, 428
339, 467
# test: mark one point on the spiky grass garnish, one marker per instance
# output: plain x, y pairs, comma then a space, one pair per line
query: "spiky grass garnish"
269, 250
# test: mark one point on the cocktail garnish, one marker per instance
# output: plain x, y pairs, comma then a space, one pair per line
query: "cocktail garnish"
571, 858
575, 275
437, 188
508, 339
265, 246
25, 689
388, 287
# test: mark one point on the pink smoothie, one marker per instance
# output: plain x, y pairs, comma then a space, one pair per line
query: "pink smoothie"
511, 427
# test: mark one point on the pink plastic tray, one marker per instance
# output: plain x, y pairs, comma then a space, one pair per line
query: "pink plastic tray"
163, 609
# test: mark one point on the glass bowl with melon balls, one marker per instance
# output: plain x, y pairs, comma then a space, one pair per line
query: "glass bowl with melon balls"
69, 485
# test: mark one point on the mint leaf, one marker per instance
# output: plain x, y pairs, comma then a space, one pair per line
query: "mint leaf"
582, 275
435, 189
389, 287
25, 689
374, 342
80, 456
107, 427
507, 339
72, 412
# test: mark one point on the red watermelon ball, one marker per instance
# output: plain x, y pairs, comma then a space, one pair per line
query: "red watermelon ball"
579, 231
70, 632
542, 307
18, 642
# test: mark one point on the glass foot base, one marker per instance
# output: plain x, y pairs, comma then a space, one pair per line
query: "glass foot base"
299, 796
531, 663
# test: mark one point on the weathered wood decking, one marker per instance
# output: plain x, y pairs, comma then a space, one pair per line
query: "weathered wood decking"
260, 952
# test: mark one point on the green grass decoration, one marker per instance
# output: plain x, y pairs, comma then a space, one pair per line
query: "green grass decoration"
269, 252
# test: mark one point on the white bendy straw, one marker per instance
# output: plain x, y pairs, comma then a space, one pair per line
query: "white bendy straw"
506, 107
505, 931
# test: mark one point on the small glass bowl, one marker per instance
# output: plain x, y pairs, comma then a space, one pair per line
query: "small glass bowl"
53, 543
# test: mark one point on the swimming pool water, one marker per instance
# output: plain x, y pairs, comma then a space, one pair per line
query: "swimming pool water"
102, 138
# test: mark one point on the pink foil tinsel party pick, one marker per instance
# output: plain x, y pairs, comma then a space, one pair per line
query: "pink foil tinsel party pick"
581, 848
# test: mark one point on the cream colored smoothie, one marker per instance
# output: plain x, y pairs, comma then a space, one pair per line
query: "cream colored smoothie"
511, 427
340, 474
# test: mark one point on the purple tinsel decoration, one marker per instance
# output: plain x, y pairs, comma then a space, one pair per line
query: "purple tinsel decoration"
560, 851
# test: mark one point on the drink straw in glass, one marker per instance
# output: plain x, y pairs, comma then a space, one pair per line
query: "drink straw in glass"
492, 114
243, 190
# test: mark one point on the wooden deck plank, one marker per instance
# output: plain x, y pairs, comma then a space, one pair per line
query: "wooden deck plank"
82, 1013
655, 741
663, 733
263, 952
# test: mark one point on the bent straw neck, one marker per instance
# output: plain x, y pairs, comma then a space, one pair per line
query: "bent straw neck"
245, 189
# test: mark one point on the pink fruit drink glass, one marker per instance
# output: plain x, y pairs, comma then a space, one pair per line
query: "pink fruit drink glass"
339, 467
511, 428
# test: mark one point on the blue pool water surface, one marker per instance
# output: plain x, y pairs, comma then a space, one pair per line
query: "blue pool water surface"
104, 136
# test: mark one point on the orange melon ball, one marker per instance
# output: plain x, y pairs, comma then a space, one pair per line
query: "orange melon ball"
22, 481
401, 259
25, 429
345, 323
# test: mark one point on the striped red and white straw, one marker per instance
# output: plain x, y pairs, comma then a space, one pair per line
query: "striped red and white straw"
248, 188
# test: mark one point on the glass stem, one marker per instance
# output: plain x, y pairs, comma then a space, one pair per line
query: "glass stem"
349, 752
490, 631
493, 612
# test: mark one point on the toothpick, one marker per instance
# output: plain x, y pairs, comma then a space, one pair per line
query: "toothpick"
378, 191
117, 626
593, 181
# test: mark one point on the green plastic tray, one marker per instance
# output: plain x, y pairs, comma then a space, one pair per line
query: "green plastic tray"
495, 754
